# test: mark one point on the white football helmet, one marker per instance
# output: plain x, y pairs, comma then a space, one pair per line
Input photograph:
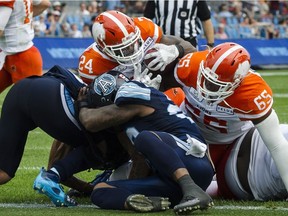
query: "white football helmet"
118, 37
222, 71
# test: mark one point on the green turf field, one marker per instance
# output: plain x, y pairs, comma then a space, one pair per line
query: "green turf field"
18, 198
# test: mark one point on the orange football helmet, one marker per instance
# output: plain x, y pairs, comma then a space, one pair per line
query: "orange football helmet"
222, 71
117, 36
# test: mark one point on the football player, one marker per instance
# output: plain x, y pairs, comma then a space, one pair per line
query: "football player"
232, 106
19, 58
47, 102
159, 130
120, 44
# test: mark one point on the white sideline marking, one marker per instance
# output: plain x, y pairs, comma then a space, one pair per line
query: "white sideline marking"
225, 207
29, 168
251, 208
283, 73
280, 95
38, 205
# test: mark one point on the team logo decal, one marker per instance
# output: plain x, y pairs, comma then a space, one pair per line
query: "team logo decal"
105, 84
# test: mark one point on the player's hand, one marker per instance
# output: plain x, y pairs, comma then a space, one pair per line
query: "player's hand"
197, 148
145, 78
82, 95
164, 55
138, 72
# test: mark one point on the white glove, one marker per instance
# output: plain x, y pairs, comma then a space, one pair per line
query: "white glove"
137, 75
197, 148
145, 78
163, 56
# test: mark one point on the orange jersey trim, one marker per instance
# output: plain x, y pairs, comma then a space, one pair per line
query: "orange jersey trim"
6, 3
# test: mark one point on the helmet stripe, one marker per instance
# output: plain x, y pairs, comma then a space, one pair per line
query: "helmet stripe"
115, 20
224, 55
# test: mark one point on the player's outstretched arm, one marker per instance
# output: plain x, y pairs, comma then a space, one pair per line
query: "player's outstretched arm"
276, 143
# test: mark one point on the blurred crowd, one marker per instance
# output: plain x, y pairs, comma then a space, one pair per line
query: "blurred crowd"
231, 19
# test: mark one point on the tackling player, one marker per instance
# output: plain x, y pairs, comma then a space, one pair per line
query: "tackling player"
159, 130
120, 44
47, 102
232, 106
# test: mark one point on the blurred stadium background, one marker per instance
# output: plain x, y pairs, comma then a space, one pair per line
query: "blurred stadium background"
63, 31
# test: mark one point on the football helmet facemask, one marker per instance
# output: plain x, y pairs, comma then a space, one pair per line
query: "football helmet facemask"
222, 71
117, 36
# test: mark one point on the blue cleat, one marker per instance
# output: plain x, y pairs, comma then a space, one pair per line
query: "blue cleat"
47, 183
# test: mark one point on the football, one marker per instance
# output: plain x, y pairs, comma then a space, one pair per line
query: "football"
168, 69
147, 61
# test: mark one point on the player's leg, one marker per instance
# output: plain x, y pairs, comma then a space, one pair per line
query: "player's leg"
5, 79
25, 64
142, 195
14, 128
48, 182
58, 151
157, 147
52, 111
263, 176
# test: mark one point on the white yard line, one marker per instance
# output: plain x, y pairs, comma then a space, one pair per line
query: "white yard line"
225, 207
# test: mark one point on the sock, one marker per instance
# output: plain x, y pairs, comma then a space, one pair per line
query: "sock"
53, 175
191, 189
186, 183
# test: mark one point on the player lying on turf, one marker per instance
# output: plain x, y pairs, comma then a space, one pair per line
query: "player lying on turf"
159, 130
232, 106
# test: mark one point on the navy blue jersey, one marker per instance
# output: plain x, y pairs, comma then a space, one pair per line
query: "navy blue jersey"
166, 118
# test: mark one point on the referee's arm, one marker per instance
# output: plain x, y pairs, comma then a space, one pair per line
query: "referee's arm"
204, 15
149, 10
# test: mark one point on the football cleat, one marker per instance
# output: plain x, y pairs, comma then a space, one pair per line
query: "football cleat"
190, 203
141, 203
47, 183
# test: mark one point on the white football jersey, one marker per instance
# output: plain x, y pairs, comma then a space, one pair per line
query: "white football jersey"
224, 122
19, 32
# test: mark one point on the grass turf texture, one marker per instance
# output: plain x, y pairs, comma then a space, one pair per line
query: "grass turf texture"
18, 198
